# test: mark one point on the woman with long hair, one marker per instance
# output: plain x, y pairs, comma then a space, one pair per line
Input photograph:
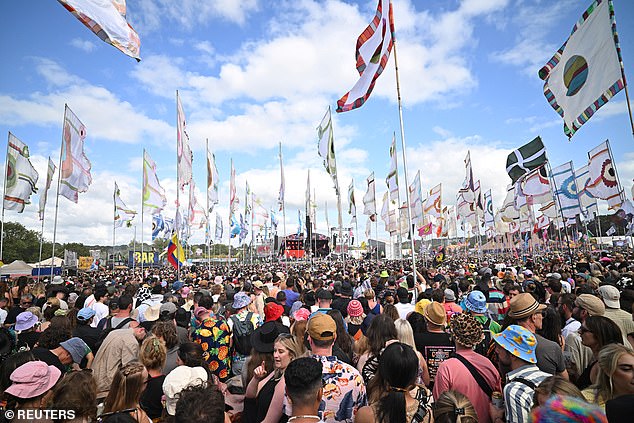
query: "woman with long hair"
554, 385
343, 341
596, 332
381, 333
393, 394
264, 395
406, 336
551, 326
125, 391
152, 355
454, 407
76, 391
616, 364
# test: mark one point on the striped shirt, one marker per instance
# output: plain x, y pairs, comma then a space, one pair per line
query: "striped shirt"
518, 396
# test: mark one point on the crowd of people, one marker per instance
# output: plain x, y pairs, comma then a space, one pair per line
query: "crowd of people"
489, 339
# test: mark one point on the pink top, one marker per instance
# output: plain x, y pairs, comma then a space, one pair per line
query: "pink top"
451, 309
452, 374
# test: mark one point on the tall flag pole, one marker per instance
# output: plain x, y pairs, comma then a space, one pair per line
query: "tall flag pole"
42, 212
352, 206
587, 70
372, 54
281, 198
74, 167
369, 208
152, 195
107, 19
184, 157
232, 205
392, 185
326, 149
19, 182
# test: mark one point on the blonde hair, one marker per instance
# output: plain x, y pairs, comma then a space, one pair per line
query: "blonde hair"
153, 353
556, 385
126, 388
405, 332
454, 407
609, 357
291, 343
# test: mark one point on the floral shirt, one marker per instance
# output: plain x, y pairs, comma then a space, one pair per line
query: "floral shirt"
344, 390
214, 336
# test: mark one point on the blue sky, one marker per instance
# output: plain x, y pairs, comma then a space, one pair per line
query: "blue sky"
253, 73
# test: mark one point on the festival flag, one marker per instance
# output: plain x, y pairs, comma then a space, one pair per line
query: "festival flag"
508, 212
489, 219
243, 230
385, 210
154, 199
326, 215
280, 198
536, 186
235, 227
326, 147
75, 169
526, 158
549, 209
587, 200
107, 19
392, 176
602, 181
300, 223
175, 252
433, 203
587, 70
49, 178
452, 224
468, 186
212, 180
369, 199
158, 225
233, 200
543, 222
169, 226
21, 176
566, 190
274, 221
219, 229
352, 206
425, 230
122, 214
247, 201
416, 200
183, 152
372, 53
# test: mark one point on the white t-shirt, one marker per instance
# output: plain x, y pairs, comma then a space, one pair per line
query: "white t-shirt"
101, 311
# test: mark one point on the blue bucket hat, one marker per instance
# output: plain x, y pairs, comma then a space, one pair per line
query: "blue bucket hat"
241, 300
85, 313
476, 302
519, 342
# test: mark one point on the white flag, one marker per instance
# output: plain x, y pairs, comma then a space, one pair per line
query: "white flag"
21, 176
75, 171
369, 200
183, 152
49, 178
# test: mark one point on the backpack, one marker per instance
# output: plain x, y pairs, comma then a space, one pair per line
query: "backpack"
242, 331
108, 328
483, 347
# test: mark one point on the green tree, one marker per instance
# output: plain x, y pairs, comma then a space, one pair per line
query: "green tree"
20, 243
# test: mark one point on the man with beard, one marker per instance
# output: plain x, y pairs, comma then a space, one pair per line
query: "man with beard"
565, 305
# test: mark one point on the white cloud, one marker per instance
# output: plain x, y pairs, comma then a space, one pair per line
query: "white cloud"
85, 45
152, 15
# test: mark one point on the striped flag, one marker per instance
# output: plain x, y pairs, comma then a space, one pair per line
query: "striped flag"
49, 178
21, 176
154, 199
392, 176
373, 52
212, 180
75, 170
587, 70
175, 252
566, 190
107, 19
183, 152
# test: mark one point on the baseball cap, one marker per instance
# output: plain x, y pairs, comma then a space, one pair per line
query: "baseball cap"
610, 295
322, 327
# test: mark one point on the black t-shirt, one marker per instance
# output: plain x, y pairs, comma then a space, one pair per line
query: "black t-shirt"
13, 314
151, 398
29, 338
431, 339
88, 334
45, 355
341, 304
